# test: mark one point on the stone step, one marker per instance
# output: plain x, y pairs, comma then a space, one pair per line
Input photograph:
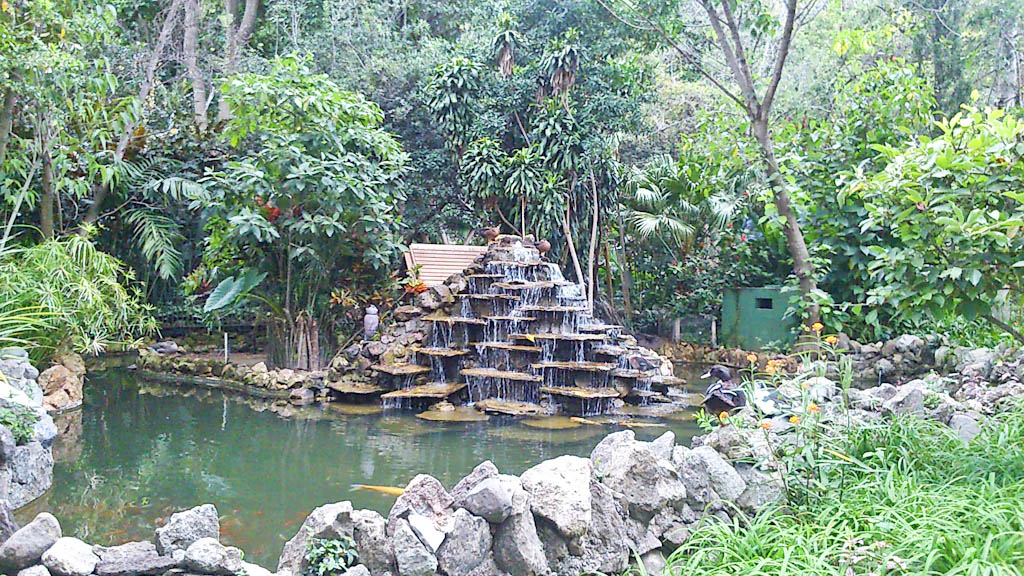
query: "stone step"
400, 369
509, 297
438, 390
457, 320
442, 352
554, 336
578, 392
355, 388
501, 374
509, 318
504, 346
531, 285
578, 366
507, 407
552, 309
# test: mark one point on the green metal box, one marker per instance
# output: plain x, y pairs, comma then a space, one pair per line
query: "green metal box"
753, 318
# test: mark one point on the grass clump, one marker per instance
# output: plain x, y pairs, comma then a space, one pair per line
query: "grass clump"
906, 497
19, 420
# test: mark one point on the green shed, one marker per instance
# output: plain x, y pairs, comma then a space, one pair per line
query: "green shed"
752, 318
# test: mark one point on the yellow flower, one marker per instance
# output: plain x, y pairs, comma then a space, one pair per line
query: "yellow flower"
766, 425
817, 327
832, 339
770, 368
794, 419
723, 417
751, 357
812, 407
4, 5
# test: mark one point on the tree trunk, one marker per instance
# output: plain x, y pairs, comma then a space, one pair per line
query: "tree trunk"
190, 45
46, 199
236, 36
169, 24
572, 245
592, 249
625, 278
802, 266
6, 120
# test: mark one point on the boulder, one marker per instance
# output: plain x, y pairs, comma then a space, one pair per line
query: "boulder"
517, 548
762, 488
132, 559
491, 500
70, 557
357, 570
371, 538
26, 546
726, 482
483, 471
31, 473
62, 388
208, 556
694, 474
663, 445
630, 468
425, 496
429, 300
301, 396
466, 546
185, 527
965, 426
8, 525
559, 491
425, 530
256, 570
411, 556
605, 546
406, 313
331, 521
39, 570
907, 400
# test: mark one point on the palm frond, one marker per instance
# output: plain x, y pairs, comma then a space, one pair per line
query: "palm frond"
158, 237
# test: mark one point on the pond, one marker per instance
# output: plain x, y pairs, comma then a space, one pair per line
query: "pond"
137, 452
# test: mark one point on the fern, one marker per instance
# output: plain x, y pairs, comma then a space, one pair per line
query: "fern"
158, 237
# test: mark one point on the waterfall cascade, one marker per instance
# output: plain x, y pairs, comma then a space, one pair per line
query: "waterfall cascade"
518, 338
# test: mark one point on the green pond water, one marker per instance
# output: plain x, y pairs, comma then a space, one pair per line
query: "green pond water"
138, 451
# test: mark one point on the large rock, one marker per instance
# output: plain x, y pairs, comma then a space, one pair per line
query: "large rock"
466, 546
762, 489
208, 556
330, 521
605, 548
8, 525
411, 556
483, 471
425, 496
31, 473
517, 548
965, 426
62, 388
372, 545
560, 492
425, 530
26, 546
907, 400
694, 475
726, 482
491, 499
185, 527
70, 557
39, 570
132, 559
631, 468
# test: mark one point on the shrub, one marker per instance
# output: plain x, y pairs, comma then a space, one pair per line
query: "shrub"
330, 557
87, 297
19, 420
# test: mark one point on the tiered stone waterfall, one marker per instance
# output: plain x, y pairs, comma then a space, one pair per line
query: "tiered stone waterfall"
513, 336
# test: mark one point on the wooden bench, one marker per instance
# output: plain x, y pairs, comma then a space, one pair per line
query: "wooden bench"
439, 261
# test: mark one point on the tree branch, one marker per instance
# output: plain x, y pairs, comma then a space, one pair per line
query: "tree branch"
749, 102
780, 60
675, 46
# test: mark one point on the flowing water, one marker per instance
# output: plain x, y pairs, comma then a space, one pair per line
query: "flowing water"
138, 451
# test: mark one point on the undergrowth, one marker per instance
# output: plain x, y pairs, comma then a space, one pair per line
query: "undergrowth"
905, 497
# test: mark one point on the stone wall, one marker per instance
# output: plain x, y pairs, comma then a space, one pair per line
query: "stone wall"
26, 469
564, 516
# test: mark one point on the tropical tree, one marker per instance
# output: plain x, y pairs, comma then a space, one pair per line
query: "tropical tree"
311, 200
955, 206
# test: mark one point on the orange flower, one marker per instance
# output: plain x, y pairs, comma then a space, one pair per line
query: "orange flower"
766, 425
832, 339
812, 408
723, 417
817, 327
805, 385
770, 368
751, 358
794, 419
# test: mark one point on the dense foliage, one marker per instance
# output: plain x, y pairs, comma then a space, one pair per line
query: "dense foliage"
304, 143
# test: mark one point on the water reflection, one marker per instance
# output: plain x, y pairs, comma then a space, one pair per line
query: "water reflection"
137, 452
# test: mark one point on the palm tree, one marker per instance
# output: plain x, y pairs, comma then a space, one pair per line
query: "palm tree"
666, 203
504, 44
